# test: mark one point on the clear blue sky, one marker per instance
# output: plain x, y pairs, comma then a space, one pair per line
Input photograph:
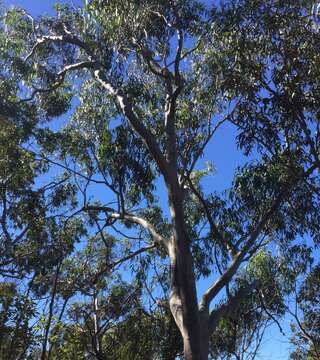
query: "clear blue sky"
224, 155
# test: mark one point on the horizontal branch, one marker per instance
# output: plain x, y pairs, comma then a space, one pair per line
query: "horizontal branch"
111, 213
77, 66
63, 38
72, 171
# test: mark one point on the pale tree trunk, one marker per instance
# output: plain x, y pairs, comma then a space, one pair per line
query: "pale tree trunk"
193, 327
183, 294
96, 341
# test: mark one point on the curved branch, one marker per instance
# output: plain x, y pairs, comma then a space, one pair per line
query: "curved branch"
144, 223
127, 110
131, 218
61, 76
67, 38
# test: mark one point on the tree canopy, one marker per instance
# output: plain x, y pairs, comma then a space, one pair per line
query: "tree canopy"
106, 226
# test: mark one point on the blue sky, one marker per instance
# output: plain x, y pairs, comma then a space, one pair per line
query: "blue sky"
224, 155
39, 7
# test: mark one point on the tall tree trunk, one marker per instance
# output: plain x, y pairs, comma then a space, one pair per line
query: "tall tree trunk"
183, 294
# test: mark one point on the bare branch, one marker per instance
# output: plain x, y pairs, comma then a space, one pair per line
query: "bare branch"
209, 137
72, 171
41, 41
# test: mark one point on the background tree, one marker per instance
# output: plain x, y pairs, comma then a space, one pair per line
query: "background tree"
17, 336
306, 324
148, 84
241, 329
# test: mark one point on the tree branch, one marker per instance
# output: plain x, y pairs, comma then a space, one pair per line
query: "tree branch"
231, 307
231, 270
50, 316
131, 218
138, 126
270, 315
65, 38
61, 76
209, 137
4, 216
179, 45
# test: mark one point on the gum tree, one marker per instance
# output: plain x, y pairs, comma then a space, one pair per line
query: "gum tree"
149, 84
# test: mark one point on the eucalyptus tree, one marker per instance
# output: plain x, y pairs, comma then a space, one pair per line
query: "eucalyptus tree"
148, 85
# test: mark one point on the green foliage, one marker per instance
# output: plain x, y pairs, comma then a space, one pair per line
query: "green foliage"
15, 312
306, 330
70, 195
